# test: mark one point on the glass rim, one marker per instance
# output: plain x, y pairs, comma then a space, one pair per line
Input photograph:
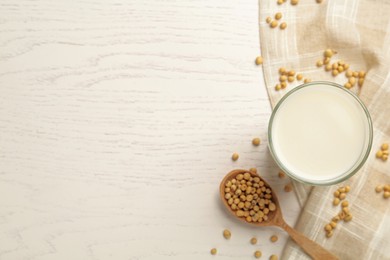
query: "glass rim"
347, 174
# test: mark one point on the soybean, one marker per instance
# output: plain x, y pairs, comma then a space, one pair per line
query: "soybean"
253, 241
274, 24
328, 53
288, 187
379, 188
274, 238
259, 60
294, 2
227, 234
256, 141
257, 254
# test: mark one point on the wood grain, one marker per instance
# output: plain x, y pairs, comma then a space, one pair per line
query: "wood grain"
117, 123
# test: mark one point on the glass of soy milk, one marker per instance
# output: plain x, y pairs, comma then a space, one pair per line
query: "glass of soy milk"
320, 133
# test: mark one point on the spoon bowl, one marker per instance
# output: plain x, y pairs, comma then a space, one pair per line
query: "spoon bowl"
275, 218
272, 215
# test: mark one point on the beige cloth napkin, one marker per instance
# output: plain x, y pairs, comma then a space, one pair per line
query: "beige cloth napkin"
360, 31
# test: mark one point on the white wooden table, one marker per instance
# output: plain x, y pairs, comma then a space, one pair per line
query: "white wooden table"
117, 122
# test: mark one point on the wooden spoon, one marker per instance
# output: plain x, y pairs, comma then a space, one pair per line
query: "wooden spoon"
275, 218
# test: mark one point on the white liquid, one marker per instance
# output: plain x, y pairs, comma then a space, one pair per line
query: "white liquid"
320, 132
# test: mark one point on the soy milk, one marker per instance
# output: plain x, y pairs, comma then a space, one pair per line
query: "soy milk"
319, 133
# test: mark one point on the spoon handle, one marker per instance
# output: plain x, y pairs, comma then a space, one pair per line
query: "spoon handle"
313, 249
